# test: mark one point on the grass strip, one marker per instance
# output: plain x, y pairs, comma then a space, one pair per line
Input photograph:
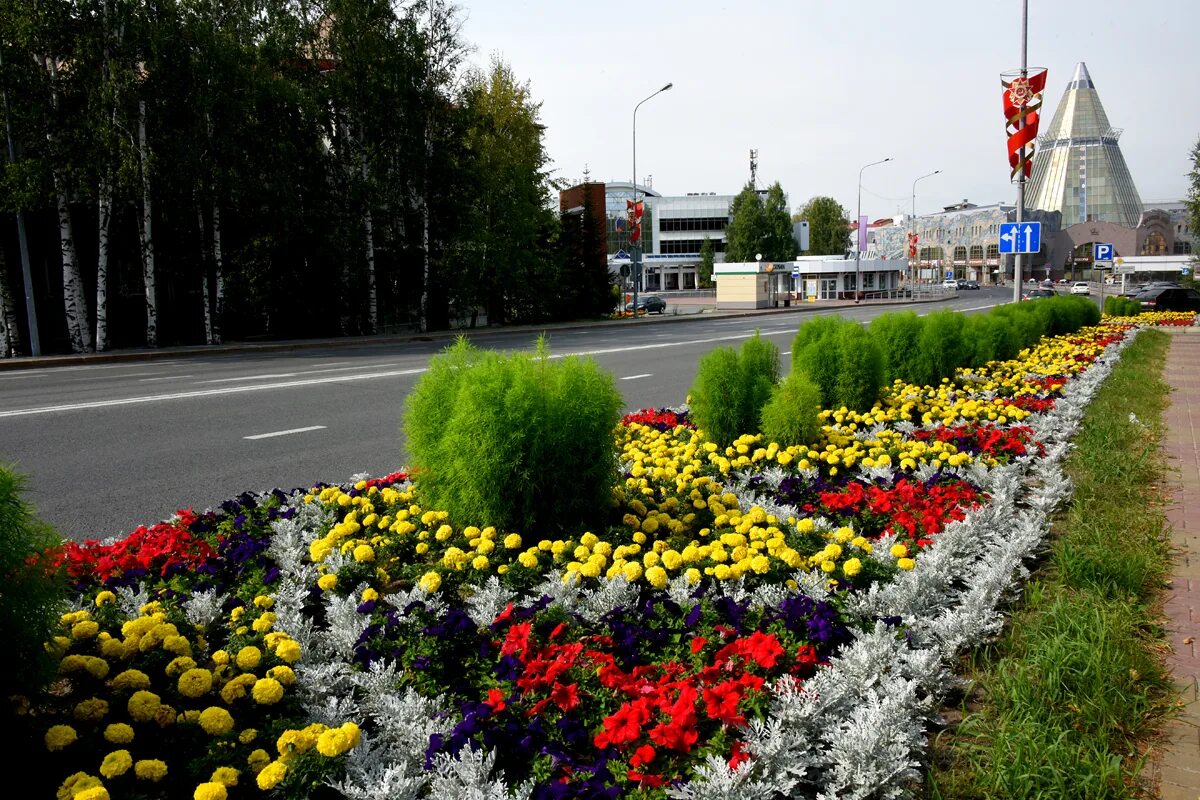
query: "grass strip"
1064, 703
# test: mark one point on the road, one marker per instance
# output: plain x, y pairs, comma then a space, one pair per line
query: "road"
109, 446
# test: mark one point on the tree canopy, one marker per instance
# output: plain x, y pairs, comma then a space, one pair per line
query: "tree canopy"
828, 226
759, 226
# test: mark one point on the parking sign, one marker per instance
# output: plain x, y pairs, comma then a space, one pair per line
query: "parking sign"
1102, 252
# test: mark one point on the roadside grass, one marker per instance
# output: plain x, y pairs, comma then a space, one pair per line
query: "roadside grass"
1065, 704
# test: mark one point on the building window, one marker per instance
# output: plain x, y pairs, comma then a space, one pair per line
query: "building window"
1183, 248
868, 280
693, 223
960, 254
993, 252
977, 252
678, 246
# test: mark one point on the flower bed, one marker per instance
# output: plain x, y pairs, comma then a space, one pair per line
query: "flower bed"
754, 619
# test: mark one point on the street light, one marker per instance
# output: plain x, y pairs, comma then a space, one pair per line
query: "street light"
637, 248
861, 233
913, 276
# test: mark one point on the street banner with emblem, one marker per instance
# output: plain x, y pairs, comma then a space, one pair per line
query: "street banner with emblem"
635, 218
1022, 99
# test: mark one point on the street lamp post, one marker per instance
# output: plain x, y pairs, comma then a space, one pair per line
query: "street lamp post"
861, 233
913, 277
637, 247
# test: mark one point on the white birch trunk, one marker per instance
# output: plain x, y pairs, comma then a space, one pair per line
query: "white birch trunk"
147, 233
218, 275
368, 222
10, 335
74, 301
204, 293
106, 198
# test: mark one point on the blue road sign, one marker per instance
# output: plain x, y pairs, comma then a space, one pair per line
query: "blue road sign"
1102, 252
1020, 237
949, 274
621, 255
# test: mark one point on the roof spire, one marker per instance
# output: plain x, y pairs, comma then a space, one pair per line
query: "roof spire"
1081, 79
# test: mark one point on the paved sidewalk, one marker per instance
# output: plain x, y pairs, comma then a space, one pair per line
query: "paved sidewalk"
1178, 769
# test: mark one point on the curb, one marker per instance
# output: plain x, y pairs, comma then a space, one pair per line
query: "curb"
135, 355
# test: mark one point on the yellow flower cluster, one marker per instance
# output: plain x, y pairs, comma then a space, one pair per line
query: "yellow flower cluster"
1154, 318
294, 743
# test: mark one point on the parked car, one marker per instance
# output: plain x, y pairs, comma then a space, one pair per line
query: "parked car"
1063, 281
962, 284
950, 283
651, 304
1169, 298
1080, 287
1034, 294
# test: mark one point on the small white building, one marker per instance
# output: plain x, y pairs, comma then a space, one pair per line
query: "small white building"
767, 284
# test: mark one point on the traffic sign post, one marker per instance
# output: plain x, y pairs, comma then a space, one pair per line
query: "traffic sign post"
1101, 253
1020, 237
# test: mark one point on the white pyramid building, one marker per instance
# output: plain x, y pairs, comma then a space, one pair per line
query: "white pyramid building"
1078, 168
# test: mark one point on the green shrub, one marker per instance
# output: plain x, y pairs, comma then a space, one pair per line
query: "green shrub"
717, 396
842, 358
790, 416
517, 441
896, 333
731, 388
941, 348
990, 339
860, 374
32, 594
1027, 327
1121, 306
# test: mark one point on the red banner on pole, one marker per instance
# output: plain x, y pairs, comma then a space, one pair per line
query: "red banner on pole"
1022, 100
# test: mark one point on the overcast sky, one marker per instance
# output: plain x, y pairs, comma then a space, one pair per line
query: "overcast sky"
822, 88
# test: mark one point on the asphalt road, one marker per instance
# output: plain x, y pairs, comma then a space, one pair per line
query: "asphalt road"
109, 446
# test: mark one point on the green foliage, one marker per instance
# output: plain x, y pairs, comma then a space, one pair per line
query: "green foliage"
1193, 199
941, 348
704, 272
896, 333
32, 595
842, 358
747, 226
778, 243
790, 416
828, 227
1027, 327
731, 388
517, 441
1121, 306
990, 338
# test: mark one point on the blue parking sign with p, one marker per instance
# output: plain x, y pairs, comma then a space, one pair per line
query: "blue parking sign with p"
1102, 252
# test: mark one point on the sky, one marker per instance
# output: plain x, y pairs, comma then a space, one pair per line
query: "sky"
822, 88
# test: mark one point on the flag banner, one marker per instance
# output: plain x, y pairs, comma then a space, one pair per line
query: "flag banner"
1022, 101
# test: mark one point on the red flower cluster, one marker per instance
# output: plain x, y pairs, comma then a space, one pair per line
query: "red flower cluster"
154, 549
986, 439
909, 508
387, 480
663, 420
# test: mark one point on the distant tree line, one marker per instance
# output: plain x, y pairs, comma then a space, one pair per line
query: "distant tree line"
194, 170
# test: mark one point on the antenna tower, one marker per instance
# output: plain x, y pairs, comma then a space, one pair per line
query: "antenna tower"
754, 169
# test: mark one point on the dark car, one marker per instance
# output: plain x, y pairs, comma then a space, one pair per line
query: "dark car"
1034, 294
651, 304
1169, 298
962, 284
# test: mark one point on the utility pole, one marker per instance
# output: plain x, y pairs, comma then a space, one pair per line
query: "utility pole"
1017, 263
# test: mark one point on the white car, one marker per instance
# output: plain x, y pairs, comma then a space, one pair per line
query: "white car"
1079, 287
950, 283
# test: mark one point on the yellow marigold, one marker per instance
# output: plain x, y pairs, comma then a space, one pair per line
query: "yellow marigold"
220, 657
118, 733
116, 763
264, 622
247, 736
282, 673
237, 688
143, 705
249, 657
327, 582
271, 775
227, 776
210, 791
195, 682
180, 665
267, 691
905, 563
364, 553
131, 679
657, 577
112, 648
93, 793
216, 721
430, 582
257, 760
150, 769
178, 645
91, 710
289, 651
335, 741
96, 667
60, 736
85, 630
899, 551
512, 541
75, 784
851, 566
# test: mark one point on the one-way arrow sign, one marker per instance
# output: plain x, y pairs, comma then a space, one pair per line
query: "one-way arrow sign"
1020, 237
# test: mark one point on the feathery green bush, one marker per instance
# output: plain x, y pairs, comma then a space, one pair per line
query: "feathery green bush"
32, 593
790, 416
941, 348
516, 441
896, 333
731, 388
842, 358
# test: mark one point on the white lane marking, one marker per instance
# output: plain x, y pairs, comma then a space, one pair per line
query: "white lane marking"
294, 374
786, 353
635, 377
23, 412
285, 433
164, 378
27, 373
